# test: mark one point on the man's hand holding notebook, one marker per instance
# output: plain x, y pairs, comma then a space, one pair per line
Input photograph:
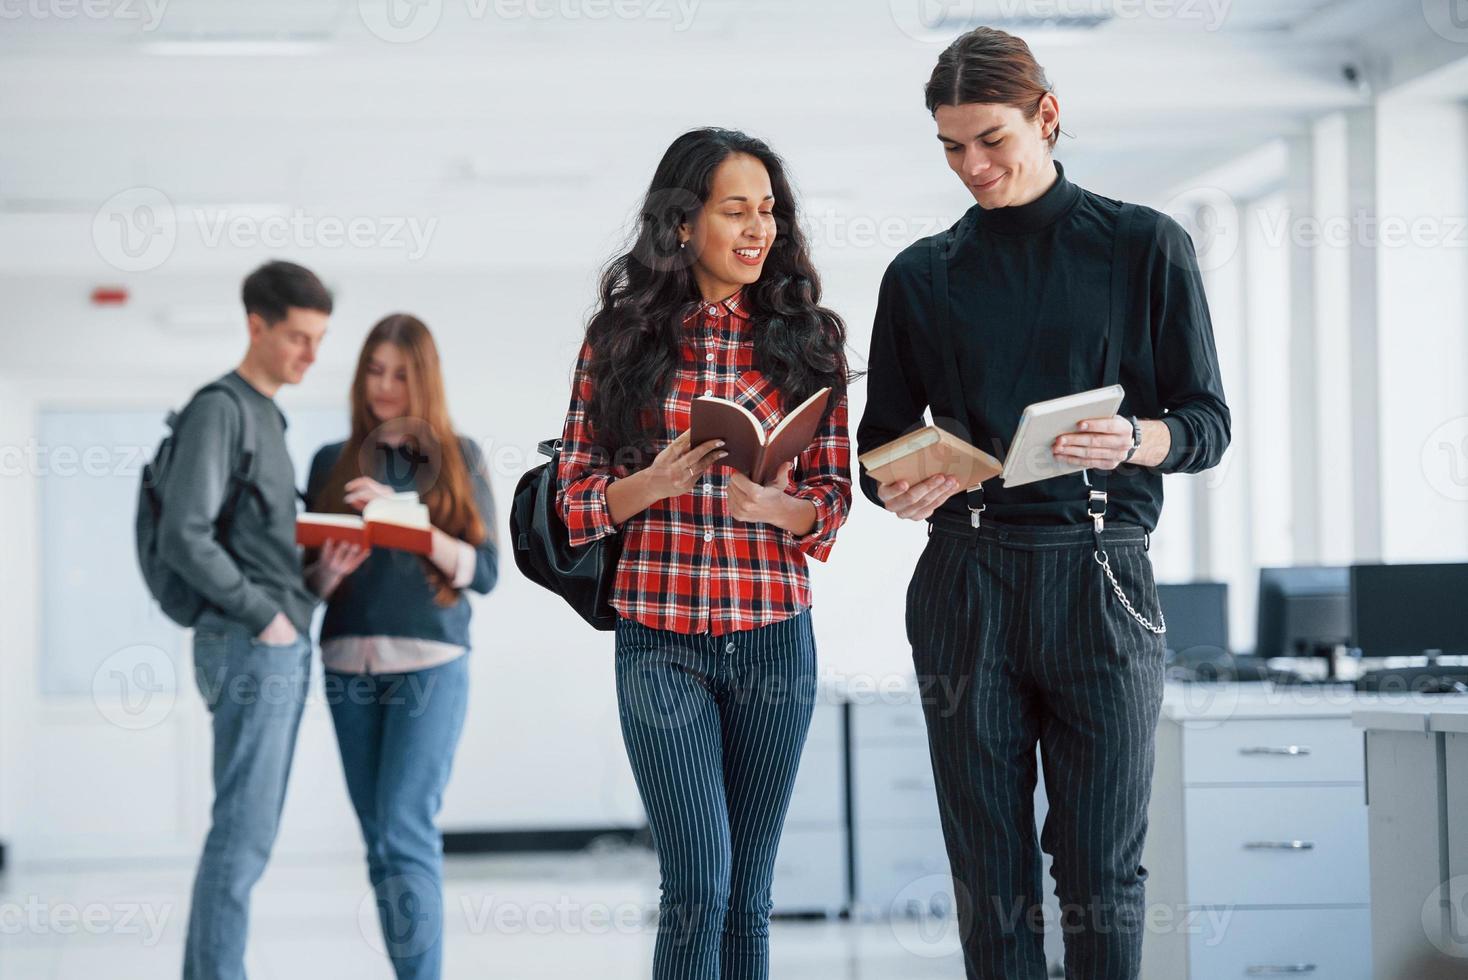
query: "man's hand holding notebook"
920, 458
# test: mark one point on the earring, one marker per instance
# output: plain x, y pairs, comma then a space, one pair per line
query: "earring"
682, 245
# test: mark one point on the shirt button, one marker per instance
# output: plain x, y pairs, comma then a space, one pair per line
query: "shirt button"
713, 311
708, 535
708, 357
729, 648
708, 392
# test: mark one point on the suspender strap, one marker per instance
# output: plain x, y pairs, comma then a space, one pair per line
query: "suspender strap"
948, 350
1121, 251
1115, 334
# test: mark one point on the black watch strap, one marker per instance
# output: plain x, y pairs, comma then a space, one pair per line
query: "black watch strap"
1136, 439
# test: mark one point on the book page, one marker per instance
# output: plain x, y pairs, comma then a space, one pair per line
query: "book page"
397, 510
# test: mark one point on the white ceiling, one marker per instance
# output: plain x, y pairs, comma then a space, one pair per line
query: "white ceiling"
526, 137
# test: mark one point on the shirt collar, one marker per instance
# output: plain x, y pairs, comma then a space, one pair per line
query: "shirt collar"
729, 306
725, 316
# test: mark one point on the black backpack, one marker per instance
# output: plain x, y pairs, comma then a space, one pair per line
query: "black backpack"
180, 601
582, 576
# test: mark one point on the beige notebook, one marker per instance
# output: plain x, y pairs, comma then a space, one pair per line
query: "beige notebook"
927, 452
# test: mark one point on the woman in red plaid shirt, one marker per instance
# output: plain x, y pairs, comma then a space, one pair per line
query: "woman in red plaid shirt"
715, 657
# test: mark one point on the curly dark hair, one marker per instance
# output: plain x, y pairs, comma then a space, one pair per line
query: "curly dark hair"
635, 334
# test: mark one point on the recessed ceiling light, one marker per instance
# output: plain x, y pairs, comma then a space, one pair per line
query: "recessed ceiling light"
234, 47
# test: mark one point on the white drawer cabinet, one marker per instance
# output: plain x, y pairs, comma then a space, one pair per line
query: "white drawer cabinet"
1313, 944
818, 798
811, 865
900, 864
1257, 842
810, 872
903, 871
889, 721
827, 729
1297, 750
1277, 845
894, 784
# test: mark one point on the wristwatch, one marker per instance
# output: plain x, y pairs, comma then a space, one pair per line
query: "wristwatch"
1136, 439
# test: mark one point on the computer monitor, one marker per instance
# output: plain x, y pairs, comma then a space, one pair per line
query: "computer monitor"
1303, 611
1197, 616
1409, 610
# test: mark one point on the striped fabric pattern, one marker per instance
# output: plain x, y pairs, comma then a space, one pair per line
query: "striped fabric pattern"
714, 728
1021, 623
686, 564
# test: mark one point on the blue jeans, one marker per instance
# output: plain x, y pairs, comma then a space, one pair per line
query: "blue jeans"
714, 727
255, 693
397, 734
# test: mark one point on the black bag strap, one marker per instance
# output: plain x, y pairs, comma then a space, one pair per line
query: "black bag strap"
1117, 315
947, 344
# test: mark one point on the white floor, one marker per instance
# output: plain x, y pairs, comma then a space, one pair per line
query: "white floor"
508, 918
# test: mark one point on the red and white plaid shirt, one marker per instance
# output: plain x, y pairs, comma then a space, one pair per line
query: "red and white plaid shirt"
687, 565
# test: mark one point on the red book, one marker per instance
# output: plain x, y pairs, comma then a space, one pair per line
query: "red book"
751, 452
398, 522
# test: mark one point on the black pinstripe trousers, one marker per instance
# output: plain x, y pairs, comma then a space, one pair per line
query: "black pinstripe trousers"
1017, 640
714, 727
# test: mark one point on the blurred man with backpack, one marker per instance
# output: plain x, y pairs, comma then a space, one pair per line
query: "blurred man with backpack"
216, 538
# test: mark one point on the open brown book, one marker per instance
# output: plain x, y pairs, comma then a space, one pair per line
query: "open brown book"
927, 452
399, 522
751, 452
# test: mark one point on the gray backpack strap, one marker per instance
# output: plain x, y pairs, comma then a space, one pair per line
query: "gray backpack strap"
242, 477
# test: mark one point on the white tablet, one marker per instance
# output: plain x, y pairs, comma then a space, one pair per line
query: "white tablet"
1030, 456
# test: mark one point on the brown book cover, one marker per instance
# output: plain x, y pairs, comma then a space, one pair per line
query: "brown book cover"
399, 522
927, 452
751, 452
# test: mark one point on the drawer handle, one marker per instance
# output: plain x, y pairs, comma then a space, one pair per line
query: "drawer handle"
1280, 845
1275, 750
1260, 971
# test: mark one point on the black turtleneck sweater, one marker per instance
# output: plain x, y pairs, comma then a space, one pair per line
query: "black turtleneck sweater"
1030, 291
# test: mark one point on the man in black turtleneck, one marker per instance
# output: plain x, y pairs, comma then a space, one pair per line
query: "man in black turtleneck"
1052, 290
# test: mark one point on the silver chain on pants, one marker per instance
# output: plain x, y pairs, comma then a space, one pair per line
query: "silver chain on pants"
1105, 562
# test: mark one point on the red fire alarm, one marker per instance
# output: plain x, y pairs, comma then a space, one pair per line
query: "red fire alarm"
109, 296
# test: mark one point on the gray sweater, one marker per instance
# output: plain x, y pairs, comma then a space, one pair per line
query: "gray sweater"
259, 574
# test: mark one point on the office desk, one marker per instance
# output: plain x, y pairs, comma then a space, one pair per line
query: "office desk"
1453, 726
1417, 923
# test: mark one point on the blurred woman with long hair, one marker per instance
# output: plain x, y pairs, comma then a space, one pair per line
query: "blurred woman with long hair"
396, 632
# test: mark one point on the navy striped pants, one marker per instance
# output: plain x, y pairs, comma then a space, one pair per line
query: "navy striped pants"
1018, 639
714, 726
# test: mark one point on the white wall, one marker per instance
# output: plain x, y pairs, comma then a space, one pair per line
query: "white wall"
1423, 210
